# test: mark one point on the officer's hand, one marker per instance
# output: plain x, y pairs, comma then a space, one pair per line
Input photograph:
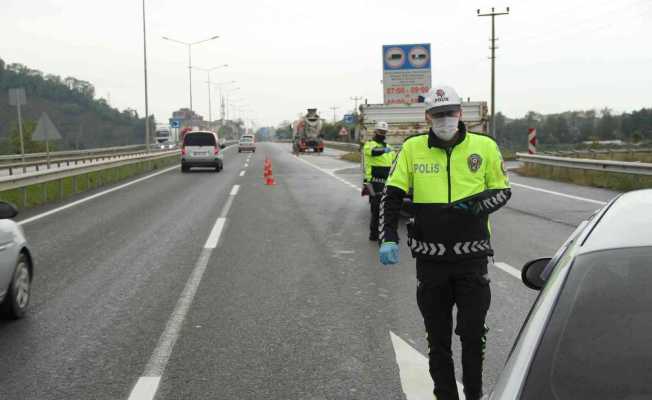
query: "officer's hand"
388, 253
470, 207
388, 149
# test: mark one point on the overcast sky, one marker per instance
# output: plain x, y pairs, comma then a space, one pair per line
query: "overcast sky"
288, 55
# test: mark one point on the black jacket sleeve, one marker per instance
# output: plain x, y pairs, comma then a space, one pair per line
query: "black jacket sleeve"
390, 209
491, 200
377, 151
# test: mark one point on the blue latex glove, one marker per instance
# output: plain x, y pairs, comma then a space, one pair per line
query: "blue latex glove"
388, 253
469, 207
388, 150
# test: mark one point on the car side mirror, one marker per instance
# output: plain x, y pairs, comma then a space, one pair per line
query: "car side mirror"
7, 210
222, 146
532, 273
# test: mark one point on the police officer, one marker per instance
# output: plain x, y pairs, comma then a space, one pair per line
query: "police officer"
458, 179
378, 158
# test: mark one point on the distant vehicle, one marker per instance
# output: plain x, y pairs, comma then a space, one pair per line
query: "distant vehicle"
587, 335
247, 143
163, 135
201, 149
16, 266
307, 133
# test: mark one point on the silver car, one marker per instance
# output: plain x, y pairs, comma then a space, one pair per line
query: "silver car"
246, 143
16, 266
201, 149
587, 335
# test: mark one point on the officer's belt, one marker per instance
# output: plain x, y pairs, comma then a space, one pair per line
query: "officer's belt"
439, 249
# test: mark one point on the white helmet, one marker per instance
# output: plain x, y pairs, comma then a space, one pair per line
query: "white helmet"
442, 98
381, 126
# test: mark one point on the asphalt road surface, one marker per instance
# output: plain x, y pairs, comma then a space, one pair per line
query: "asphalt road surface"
216, 286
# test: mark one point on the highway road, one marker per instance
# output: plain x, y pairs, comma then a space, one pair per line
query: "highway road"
215, 286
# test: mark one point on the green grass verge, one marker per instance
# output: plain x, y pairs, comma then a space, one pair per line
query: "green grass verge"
608, 180
62, 189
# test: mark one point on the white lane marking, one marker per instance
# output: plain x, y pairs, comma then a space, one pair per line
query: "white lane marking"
145, 388
413, 369
235, 190
509, 269
147, 385
246, 165
215, 234
159, 359
327, 172
94, 196
242, 173
570, 196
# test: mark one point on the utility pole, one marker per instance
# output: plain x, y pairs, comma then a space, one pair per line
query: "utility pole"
145, 67
355, 100
334, 108
493, 48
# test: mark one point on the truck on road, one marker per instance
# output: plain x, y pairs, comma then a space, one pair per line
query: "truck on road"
307, 133
405, 120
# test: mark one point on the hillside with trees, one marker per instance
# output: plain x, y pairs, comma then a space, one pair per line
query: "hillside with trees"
82, 120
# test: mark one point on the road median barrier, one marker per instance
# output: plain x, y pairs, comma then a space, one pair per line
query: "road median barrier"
48, 186
616, 175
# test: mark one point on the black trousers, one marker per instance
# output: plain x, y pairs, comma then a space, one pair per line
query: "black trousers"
374, 201
465, 285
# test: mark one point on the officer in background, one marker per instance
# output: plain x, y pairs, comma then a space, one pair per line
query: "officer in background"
378, 158
458, 178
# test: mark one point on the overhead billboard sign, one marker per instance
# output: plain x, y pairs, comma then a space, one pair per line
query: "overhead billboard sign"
406, 73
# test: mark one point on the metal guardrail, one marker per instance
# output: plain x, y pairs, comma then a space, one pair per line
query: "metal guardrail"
71, 153
623, 167
347, 145
38, 160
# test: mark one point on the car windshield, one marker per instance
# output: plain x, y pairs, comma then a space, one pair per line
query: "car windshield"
246, 139
597, 342
199, 139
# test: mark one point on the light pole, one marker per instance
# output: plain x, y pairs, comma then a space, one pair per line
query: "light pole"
219, 87
493, 47
145, 68
208, 73
226, 100
189, 45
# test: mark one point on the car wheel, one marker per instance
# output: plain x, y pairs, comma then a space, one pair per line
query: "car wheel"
239, 151
184, 168
17, 300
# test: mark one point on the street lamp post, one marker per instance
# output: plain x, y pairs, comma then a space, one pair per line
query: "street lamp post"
208, 73
145, 68
189, 45
219, 88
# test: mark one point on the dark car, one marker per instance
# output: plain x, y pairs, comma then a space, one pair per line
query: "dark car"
589, 332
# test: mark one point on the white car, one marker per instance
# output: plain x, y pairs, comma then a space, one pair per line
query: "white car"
247, 143
16, 265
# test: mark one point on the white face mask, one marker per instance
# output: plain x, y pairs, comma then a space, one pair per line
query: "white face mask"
445, 128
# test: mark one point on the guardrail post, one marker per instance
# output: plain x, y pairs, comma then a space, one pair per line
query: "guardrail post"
11, 171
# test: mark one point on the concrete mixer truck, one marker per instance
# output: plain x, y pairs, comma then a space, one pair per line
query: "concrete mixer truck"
307, 133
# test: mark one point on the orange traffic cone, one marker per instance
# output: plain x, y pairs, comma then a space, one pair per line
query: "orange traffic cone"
270, 181
267, 169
